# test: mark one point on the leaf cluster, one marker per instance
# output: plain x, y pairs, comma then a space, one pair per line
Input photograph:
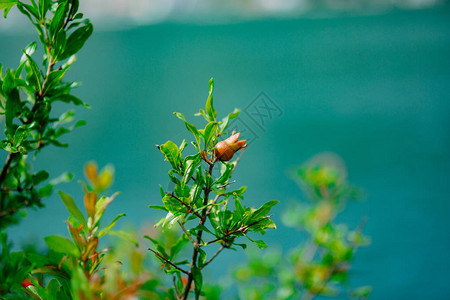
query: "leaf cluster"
27, 95
202, 202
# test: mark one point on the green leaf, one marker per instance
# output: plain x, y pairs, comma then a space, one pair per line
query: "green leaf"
189, 127
261, 244
61, 245
6, 5
40, 176
101, 206
209, 133
13, 104
362, 292
110, 226
43, 7
173, 205
53, 289
172, 153
76, 40
158, 246
58, 18
176, 248
227, 119
53, 79
198, 281
158, 207
263, 211
45, 191
20, 135
124, 235
72, 208
28, 9
239, 209
35, 71
63, 178
209, 107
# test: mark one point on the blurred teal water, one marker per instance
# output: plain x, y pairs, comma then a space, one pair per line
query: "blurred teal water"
374, 89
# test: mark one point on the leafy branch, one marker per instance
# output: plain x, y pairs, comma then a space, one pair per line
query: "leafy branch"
202, 195
28, 93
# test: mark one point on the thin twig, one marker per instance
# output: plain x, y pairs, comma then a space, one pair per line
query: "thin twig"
168, 261
185, 204
226, 184
214, 256
69, 18
186, 232
212, 204
175, 286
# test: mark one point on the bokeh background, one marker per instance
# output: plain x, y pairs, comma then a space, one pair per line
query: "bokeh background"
368, 80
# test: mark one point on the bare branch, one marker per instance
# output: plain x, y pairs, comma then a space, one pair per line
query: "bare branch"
214, 256
187, 233
168, 261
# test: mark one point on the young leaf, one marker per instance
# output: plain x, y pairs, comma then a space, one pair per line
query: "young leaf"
72, 208
61, 245
110, 226
209, 107
6, 5
172, 153
189, 127
227, 119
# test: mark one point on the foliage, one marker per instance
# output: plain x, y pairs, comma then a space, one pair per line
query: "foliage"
321, 265
204, 215
199, 202
27, 95
79, 268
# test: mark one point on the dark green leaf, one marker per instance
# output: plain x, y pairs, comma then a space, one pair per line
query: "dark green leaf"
58, 18
36, 74
40, 176
76, 40
43, 7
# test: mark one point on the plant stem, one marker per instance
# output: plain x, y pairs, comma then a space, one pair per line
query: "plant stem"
5, 168
202, 221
